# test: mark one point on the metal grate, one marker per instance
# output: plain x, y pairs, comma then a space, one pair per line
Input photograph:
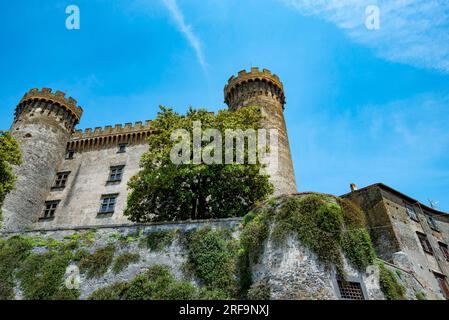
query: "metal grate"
350, 290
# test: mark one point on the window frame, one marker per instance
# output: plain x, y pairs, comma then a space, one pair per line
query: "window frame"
50, 208
114, 176
444, 248
445, 290
336, 280
108, 204
61, 183
411, 212
425, 243
432, 224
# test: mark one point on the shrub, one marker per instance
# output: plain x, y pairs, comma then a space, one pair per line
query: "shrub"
42, 275
357, 247
114, 291
159, 240
123, 260
260, 291
212, 256
97, 263
255, 232
420, 296
157, 283
12, 252
389, 284
328, 226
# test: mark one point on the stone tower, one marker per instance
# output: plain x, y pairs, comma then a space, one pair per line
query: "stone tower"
43, 124
265, 90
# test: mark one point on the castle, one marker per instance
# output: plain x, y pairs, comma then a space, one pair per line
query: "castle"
74, 180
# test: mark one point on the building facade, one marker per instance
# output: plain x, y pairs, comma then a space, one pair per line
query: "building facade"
79, 178
408, 234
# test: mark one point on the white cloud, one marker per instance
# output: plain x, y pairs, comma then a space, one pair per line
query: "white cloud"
186, 29
414, 32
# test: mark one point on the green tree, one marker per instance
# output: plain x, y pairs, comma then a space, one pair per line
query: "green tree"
9, 155
165, 191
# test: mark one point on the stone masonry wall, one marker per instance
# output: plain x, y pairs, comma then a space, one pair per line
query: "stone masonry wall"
87, 182
42, 138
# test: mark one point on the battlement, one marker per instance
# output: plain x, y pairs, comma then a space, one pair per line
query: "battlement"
117, 129
255, 74
57, 97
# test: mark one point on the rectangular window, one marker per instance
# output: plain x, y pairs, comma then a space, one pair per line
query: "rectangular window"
121, 148
444, 249
108, 203
350, 290
70, 154
116, 174
425, 242
50, 209
443, 284
432, 223
61, 180
411, 212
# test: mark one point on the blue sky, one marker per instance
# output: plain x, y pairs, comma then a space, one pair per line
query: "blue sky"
363, 105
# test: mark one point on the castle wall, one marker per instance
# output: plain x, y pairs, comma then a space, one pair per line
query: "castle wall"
88, 181
42, 135
265, 90
293, 272
126, 239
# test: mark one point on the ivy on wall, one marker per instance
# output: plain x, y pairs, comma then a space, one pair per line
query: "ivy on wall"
390, 285
330, 227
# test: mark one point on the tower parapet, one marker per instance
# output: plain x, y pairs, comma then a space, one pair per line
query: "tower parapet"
250, 84
43, 124
265, 90
55, 102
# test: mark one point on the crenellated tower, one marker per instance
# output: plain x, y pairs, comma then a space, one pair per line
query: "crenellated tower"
43, 124
265, 90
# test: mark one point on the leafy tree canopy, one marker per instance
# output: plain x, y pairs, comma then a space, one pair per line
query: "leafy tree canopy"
165, 191
9, 155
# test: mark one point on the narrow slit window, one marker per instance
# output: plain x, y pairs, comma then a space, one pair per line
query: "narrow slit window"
122, 148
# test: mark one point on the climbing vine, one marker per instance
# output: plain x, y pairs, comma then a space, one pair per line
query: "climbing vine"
390, 285
212, 258
330, 227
